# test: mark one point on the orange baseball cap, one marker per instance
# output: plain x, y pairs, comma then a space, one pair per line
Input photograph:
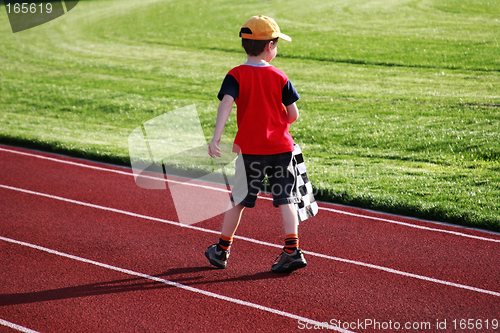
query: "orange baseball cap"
262, 28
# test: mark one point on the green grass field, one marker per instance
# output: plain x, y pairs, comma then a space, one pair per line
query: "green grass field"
400, 106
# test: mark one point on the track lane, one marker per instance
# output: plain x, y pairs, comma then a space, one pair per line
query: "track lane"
324, 291
90, 233
358, 263
435, 255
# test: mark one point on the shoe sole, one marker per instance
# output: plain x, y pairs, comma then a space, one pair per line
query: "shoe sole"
292, 267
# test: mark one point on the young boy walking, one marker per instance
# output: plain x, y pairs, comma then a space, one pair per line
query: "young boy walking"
265, 101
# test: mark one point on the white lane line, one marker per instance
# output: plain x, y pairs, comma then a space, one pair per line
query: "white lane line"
455, 233
16, 327
354, 262
108, 170
175, 284
416, 226
411, 275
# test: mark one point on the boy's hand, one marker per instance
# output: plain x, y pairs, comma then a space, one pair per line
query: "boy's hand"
213, 148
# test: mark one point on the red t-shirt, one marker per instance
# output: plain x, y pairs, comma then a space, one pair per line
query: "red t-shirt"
261, 93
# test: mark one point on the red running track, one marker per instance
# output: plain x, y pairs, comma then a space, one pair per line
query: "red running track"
83, 249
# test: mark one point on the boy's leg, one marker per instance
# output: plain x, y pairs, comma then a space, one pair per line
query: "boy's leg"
248, 176
290, 226
290, 220
283, 186
231, 221
218, 253
292, 257
282, 178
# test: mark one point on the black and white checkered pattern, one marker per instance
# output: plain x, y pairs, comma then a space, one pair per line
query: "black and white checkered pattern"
308, 207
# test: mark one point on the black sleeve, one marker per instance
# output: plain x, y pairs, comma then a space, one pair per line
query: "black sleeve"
289, 95
229, 87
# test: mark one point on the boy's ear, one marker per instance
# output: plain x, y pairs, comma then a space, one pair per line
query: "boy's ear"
269, 45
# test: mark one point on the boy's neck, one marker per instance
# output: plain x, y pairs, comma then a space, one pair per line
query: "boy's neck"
259, 60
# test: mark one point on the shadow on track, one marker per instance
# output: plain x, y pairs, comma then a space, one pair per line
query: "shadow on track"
183, 275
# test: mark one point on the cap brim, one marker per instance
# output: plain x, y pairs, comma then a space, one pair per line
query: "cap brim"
285, 37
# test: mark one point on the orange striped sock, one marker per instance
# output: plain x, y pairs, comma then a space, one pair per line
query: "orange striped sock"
291, 243
224, 243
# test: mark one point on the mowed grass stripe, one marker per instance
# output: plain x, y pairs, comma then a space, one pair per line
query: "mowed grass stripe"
399, 98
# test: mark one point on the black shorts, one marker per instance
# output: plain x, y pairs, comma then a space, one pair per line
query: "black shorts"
281, 174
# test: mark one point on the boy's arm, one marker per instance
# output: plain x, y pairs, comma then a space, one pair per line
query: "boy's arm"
292, 113
223, 112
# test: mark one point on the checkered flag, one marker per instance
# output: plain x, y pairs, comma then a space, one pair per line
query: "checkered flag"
308, 206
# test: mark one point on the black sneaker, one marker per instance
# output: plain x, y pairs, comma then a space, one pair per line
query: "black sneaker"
217, 258
289, 262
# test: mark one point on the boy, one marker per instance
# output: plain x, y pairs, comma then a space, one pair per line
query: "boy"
265, 100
